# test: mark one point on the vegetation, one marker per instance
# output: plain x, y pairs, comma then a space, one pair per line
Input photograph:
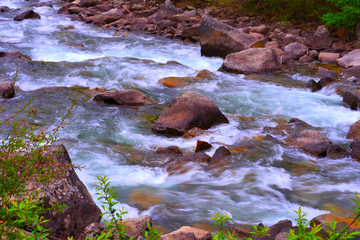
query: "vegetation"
347, 16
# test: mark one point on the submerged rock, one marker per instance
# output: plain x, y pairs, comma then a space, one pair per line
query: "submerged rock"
355, 147
14, 56
202, 146
253, 60
123, 97
181, 164
337, 152
172, 82
220, 158
188, 110
7, 90
219, 39
29, 14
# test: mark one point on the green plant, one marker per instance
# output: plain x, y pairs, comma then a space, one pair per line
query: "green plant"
220, 220
346, 16
152, 233
258, 232
303, 224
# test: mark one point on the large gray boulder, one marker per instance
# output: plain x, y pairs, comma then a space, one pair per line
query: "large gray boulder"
188, 110
350, 59
219, 39
253, 60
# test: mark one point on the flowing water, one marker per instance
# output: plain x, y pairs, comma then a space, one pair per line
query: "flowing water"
264, 181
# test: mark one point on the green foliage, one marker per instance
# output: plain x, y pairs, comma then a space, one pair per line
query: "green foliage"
220, 220
303, 224
152, 233
346, 16
259, 231
23, 160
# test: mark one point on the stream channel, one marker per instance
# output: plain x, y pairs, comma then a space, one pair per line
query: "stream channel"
264, 181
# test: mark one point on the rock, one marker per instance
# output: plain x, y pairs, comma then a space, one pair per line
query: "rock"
311, 141
220, 158
328, 57
136, 226
172, 150
241, 233
219, 39
202, 146
272, 44
293, 126
194, 132
64, 9
14, 56
354, 130
350, 59
352, 99
305, 59
322, 31
355, 147
123, 97
69, 190
314, 54
172, 82
198, 233
107, 17
295, 50
281, 226
7, 90
188, 110
337, 152
184, 17
188, 32
206, 74
317, 42
252, 60
323, 72
323, 82
342, 222
281, 236
179, 235
29, 14
92, 230
313, 86
143, 200
167, 10
181, 164
263, 29
4, 9
352, 71
88, 3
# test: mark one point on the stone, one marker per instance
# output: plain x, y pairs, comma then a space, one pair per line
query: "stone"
181, 163
188, 32
314, 54
67, 189
194, 132
341, 222
184, 17
64, 9
29, 14
352, 71
254, 60
317, 42
14, 56
305, 59
354, 130
92, 230
355, 147
220, 158
7, 90
206, 74
167, 10
179, 235
123, 97
313, 86
337, 152
88, 3
296, 50
352, 99
326, 81
107, 17
328, 57
172, 150
136, 226
218, 39
240, 232
262, 29
293, 126
202, 146
322, 31
311, 141
272, 44
4, 9
199, 233
350, 59
323, 72
281, 226
173, 82
188, 110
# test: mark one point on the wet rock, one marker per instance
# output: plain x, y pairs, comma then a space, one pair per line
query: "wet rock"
172, 82
355, 147
172, 150
123, 97
29, 14
188, 32
69, 190
136, 226
337, 152
202, 146
352, 71
220, 158
14, 56
350, 59
293, 126
219, 39
92, 230
352, 99
323, 72
341, 222
326, 81
317, 42
328, 57
240, 232
313, 86
7, 90
311, 141
179, 235
206, 74
252, 60
4, 9
167, 10
183, 163
274, 230
295, 50
194, 132
143, 200
198, 233
188, 110
88, 3
354, 130
64, 9
107, 17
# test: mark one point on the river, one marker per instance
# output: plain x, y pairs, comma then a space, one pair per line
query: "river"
263, 183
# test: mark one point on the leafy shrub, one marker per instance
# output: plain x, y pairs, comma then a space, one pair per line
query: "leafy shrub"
346, 16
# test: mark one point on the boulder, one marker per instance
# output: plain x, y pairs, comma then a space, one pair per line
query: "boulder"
198, 233
194, 132
192, 31
14, 56
88, 3
354, 130
313, 86
80, 210
350, 59
274, 230
327, 219
322, 31
4, 9
352, 99
293, 126
91, 231
311, 141
29, 14
107, 17
123, 97
219, 39
172, 150
181, 163
188, 110
252, 60
317, 42
135, 226
7, 90
355, 148
179, 235
202, 146
296, 50
206, 74
328, 57
172, 82
220, 158
64, 9
326, 81
167, 10
337, 152
323, 72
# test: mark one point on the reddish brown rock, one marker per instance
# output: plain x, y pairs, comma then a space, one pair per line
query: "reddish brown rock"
192, 31
206, 74
107, 17
281, 226
219, 39
354, 130
178, 235
64, 9
172, 82
355, 147
88, 3
183, 163
29, 14
337, 152
220, 158
188, 110
352, 99
342, 222
136, 226
7, 90
172, 150
252, 60
293, 126
194, 132
14, 56
295, 50
198, 233
202, 146
123, 97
